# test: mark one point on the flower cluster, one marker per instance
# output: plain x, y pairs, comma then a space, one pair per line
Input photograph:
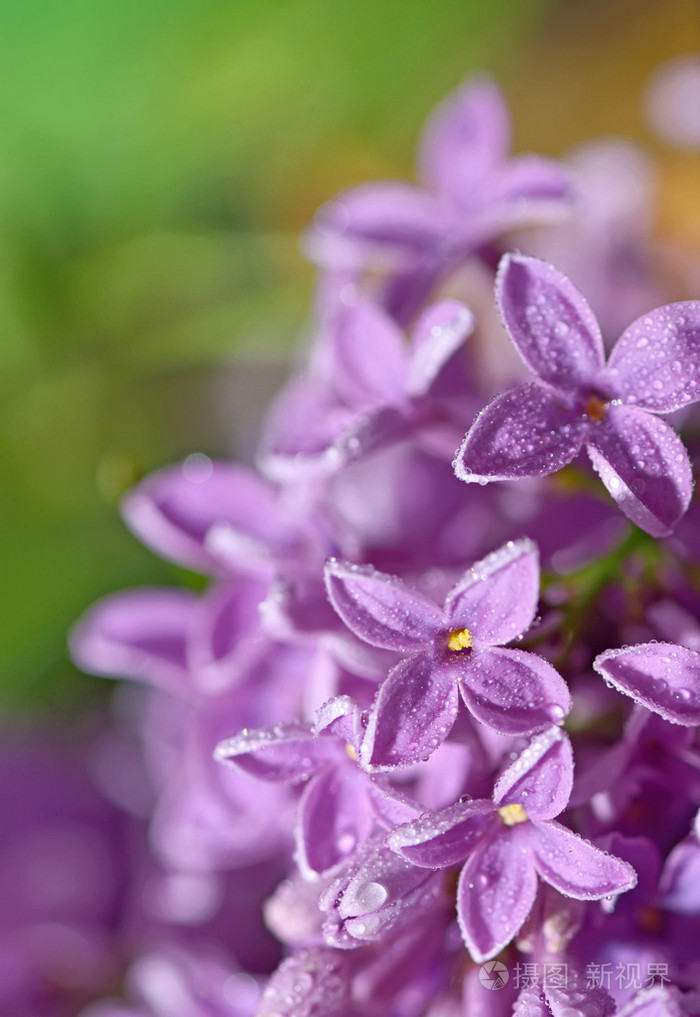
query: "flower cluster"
428, 726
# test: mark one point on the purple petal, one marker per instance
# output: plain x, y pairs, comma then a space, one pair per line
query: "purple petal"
226, 637
680, 882
370, 358
173, 510
440, 839
656, 361
529, 182
333, 818
512, 691
139, 634
412, 714
309, 983
380, 609
661, 676
645, 467
541, 778
376, 224
464, 140
497, 597
341, 716
287, 752
526, 432
658, 1001
550, 322
575, 867
438, 334
368, 914
496, 891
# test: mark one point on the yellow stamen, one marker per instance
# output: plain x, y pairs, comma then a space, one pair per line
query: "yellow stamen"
513, 814
596, 408
460, 639
350, 751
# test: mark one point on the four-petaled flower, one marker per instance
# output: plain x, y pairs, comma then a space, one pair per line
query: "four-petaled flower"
508, 841
579, 400
459, 646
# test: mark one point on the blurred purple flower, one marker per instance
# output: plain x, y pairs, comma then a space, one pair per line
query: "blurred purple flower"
580, 401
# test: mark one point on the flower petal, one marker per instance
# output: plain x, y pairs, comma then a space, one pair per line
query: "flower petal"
439, 332
139, 634
549, 321
376, 224
496, 891
369, 356
440, 839
575, 867
464, 140
645, 467
497, 597
541, 778
663, 677
286, 752
656, 361
529, 182
526, 432
333, 818
380, 609
412, 714
173, 510
512, 691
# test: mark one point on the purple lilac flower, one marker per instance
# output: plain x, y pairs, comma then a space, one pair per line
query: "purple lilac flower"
510, 840
368, 388
450, 651
341, 805
471, 193
578, 400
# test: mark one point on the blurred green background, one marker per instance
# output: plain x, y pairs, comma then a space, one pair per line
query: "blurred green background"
157, 162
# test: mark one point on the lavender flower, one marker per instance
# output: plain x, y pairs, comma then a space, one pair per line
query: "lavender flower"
471, 194
508, 842
580, 401
456, 649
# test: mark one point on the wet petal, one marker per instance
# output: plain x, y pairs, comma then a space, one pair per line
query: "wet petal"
464, 140
526, 432
140, 634
663, 677
380, 608
550, 322
306, 984
497, 597
656, 361
575, 867
286, 752
541, 778
645, 467
333, 818
512, 691
439, 332
412, 714
438, 840
496, 891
